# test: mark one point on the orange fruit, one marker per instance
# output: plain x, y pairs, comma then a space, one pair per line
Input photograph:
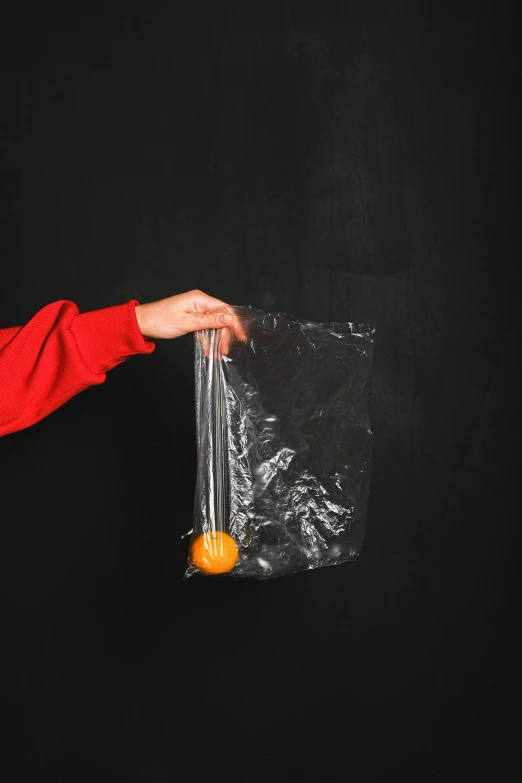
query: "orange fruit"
214, 553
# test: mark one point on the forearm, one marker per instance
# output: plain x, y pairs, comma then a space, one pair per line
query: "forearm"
58, 354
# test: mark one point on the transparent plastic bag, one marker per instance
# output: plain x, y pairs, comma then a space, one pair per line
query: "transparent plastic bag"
284, 445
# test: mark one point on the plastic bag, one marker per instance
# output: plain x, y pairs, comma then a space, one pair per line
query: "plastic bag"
284, 446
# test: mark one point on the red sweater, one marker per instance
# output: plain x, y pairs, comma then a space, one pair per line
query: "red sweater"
58, 354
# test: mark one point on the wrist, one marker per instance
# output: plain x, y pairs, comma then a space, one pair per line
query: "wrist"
141, 318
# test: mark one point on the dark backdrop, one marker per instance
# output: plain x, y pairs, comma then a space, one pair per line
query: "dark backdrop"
337, 160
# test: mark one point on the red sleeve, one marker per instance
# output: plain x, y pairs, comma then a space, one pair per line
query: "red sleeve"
58, 354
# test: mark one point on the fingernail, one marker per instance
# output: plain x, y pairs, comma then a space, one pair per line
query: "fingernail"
224, 319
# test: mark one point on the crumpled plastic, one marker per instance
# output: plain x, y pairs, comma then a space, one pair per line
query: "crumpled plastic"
284, 442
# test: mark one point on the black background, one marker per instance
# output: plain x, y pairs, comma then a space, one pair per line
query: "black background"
337, 160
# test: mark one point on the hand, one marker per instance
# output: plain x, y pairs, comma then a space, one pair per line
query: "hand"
186, 313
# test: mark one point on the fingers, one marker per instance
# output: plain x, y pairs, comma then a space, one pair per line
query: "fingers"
230, 326
217, 341
218, 319
225, 322
217, 324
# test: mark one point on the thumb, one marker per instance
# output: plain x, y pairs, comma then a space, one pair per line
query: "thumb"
214, 320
